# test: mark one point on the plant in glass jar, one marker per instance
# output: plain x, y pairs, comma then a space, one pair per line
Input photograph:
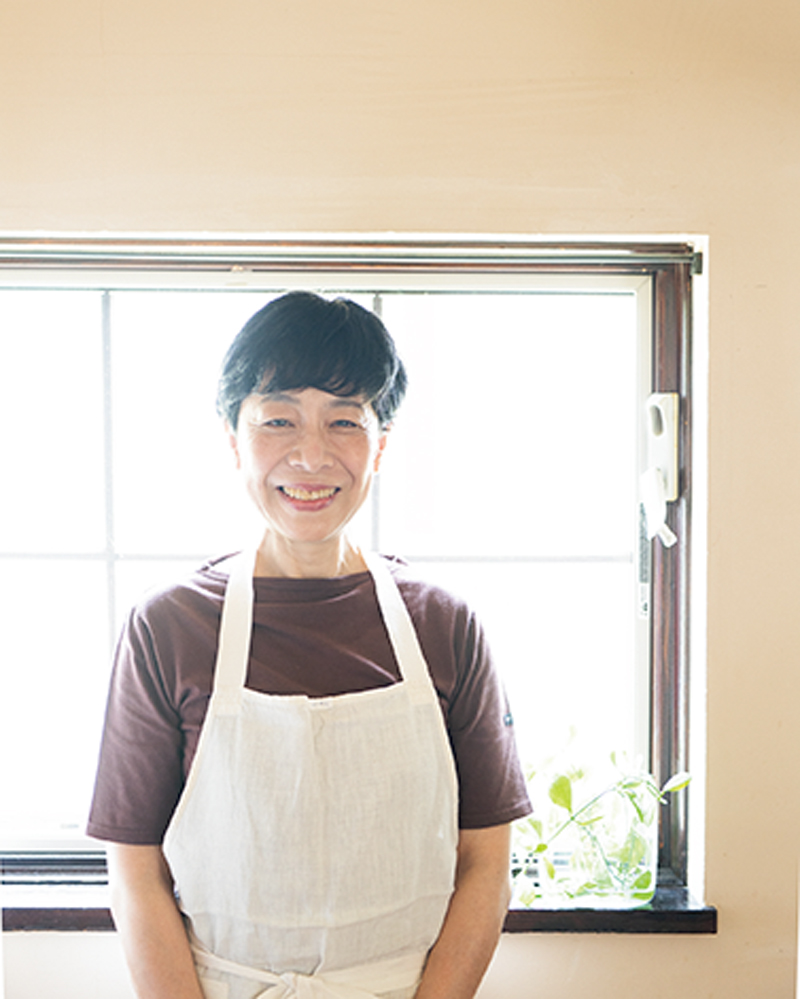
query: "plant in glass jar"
592, 840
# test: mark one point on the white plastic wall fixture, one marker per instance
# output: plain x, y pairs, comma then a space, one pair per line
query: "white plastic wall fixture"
662, 439
658, 484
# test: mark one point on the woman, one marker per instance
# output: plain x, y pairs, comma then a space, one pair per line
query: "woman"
308, 771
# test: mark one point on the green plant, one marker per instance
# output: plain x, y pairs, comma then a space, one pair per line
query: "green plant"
599, 851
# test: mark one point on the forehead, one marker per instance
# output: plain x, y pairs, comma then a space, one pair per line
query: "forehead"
311, 396
311, 402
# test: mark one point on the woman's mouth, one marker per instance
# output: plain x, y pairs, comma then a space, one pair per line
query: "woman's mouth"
303, 495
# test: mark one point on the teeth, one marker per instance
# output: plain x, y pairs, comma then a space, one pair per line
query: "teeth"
305, 494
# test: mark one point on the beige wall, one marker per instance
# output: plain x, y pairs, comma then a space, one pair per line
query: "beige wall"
623, 116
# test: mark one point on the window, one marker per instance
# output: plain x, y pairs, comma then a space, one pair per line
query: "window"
512, 475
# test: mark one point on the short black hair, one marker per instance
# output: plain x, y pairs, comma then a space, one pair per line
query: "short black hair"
302, 340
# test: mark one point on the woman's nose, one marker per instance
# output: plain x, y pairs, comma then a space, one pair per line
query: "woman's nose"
311, 453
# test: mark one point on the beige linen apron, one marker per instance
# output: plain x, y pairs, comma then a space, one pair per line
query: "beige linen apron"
314, 845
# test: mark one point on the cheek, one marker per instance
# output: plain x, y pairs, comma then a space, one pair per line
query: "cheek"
257, 455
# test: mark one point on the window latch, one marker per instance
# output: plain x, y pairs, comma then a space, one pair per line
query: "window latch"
659, 483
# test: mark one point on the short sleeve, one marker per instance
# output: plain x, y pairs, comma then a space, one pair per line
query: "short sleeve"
492, 788
140, 773
481, 726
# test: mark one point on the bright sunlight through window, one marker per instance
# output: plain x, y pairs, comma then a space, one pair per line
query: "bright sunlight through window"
511, 477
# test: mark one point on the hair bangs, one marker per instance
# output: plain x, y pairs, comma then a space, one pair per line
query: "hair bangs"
304, 341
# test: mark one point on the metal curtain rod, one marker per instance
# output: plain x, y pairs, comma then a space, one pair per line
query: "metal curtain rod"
369, 254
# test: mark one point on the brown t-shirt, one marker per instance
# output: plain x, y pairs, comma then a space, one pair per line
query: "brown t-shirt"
317, 637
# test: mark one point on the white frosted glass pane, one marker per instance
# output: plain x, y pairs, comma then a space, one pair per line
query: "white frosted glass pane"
134, 578
176, 489
518, 436
54, 647
51, 412
562, 635
517, 439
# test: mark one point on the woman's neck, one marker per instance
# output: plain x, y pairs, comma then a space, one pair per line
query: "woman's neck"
338, 557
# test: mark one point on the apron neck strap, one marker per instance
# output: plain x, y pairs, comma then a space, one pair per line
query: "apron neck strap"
236, 628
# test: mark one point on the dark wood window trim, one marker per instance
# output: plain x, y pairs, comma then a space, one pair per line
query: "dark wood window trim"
670, 572
671, 266
45, 919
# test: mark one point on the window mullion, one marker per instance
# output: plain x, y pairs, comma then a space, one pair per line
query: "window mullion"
108, 468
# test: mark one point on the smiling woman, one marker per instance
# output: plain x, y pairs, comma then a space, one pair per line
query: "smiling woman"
408, 753
307, 419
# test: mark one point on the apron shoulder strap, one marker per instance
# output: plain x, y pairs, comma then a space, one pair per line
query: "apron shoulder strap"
235, 634
400, 627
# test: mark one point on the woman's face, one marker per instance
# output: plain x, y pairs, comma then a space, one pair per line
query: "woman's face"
308, 459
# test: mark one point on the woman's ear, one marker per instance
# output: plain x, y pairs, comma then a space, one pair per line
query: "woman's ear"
233, 441
381, 446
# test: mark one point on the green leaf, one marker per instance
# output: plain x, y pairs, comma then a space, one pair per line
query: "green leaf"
637, 848
551, 871
631, 796
561, 792
676, 783
644, 881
